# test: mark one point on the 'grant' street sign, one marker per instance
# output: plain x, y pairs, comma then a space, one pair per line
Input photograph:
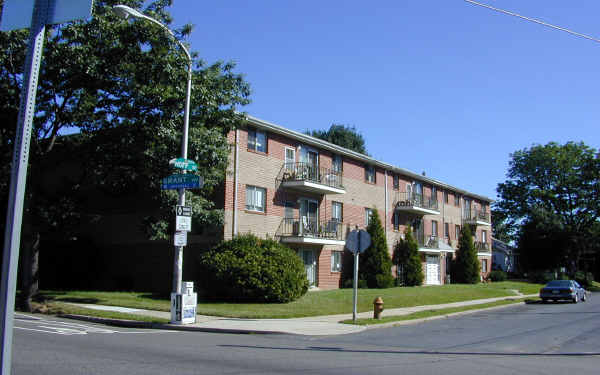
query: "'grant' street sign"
182, 181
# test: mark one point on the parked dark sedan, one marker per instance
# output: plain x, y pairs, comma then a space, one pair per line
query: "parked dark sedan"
563, 289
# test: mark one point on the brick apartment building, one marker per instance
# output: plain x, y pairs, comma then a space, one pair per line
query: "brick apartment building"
309, 193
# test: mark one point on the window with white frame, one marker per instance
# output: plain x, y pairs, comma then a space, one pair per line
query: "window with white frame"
484, 265
368, 214
289, 210
446, 197
257, 140
434, 228
370, 173
396, 182
457, 231
290, 158
336, 261
255, 198
396, 220
434, 193
484, 236
336, 211
447, 230
456, 199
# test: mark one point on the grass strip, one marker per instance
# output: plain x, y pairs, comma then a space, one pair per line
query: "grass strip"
314, 303
57, 308
431, 313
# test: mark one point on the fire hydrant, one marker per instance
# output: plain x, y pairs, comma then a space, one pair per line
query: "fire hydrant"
377, 308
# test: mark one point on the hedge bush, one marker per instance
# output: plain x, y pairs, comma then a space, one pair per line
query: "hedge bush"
251, 269
498, 275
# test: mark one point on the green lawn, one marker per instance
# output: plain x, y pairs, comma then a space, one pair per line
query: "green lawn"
315, 303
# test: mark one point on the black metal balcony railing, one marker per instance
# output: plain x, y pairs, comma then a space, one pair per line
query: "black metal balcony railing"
312, 173
306, 227
482, 247
428, 241
404, 199
477, 215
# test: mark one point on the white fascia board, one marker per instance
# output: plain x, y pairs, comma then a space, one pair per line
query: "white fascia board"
312, 240
356, 155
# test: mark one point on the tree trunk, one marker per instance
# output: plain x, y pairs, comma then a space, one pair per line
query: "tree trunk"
29, 269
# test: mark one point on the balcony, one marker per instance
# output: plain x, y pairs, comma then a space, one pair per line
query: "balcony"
307, 177
432, 244
482, 247
310, 231
418, 204
477, 217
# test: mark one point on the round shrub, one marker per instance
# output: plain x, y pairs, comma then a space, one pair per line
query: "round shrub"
498, 275
251, 269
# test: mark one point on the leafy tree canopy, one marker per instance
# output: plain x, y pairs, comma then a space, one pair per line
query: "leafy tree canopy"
342, 135
121, 86
555, 181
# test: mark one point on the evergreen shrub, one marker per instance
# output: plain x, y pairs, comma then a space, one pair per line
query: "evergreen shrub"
247, 268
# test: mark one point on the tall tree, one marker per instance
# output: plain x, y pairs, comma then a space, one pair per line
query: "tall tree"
375, 264
342, 135
561, 180
465, 268
121, 86
406, 257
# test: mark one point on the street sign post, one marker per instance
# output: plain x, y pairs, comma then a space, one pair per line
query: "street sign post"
183, 218
357, 242
182, 181
184, 164
17, 14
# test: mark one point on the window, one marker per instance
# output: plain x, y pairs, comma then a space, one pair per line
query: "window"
457, 231
337, 164
255, 198
456, 200
396, 220
484, 265
446, 197
368, 214
336, 261
257, 140
370, 173
290, 158
336, 211
434, 228
434, 193
446, 230
484, 236
396, 182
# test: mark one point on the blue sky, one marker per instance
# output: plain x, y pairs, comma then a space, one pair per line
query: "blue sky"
444, 87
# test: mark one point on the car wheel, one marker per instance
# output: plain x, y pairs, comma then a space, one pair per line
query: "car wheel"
576, 298
583, 298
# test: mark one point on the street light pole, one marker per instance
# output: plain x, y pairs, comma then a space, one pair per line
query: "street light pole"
124, 11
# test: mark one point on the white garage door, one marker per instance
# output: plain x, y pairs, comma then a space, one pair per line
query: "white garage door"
433, 270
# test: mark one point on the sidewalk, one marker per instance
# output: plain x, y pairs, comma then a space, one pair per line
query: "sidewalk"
316, 325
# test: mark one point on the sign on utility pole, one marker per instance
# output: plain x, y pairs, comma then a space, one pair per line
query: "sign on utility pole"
18, 14
357, 242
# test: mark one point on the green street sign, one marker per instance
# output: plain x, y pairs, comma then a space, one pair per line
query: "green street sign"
182, 181
184, 164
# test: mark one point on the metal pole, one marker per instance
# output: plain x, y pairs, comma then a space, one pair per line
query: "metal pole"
355, 295
178, 263
14, 214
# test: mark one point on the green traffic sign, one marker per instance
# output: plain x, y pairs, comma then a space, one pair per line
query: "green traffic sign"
184, 164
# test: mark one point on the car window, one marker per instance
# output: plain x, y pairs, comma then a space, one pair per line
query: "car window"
576, 284
559, 283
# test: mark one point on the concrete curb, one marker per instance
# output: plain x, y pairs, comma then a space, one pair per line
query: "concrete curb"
437, 317
125, 323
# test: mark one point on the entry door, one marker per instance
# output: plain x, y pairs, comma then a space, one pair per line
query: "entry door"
309, 215
433, 270
310, 265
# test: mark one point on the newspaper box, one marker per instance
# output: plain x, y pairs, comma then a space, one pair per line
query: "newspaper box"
183, 305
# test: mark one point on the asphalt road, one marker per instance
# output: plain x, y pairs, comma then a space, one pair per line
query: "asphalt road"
525, 339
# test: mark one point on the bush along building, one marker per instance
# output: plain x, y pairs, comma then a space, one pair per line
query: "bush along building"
308, 194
